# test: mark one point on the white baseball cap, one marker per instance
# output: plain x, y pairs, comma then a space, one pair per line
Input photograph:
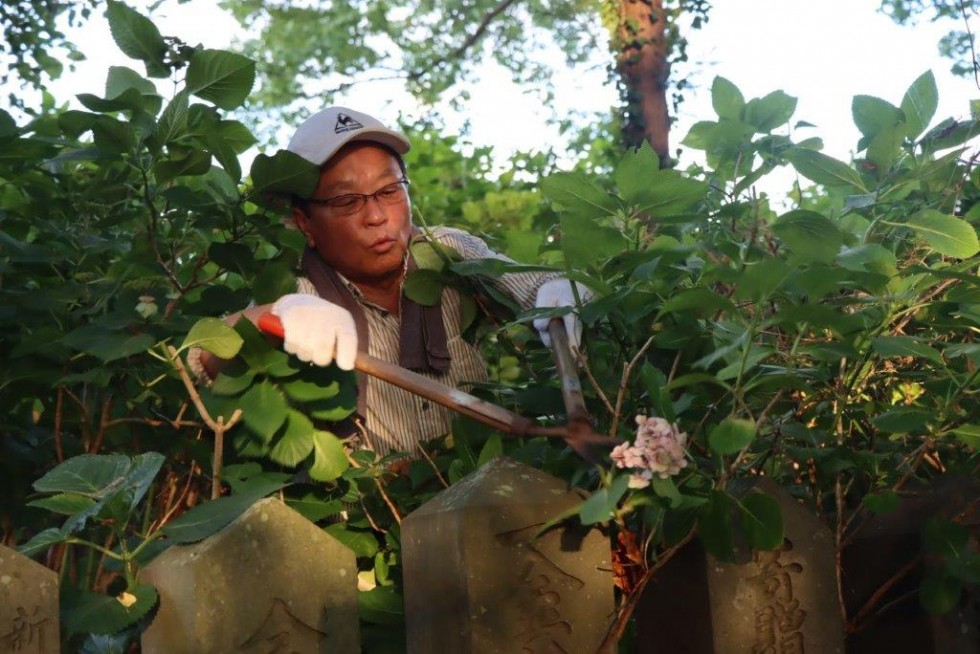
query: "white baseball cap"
325, 132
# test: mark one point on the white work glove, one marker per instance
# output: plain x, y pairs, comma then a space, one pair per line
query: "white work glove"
317, 331
558, 293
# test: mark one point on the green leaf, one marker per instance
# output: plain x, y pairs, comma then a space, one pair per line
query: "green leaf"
655, 381
769, 112
902, 420
301, 390
296, 443
273, 281
945, 538
234, 135
137, 37
381, 605
193, 163
760, 279
264, 410
214, 336
210, 517
493, 268
600, 505
667, 489
948, 235
881, 502
726, 99
107, 345
121, 78
227, 384
314, 508
362, 543
492, 448
940, 593
873, 115
762, 521
949, 134
819, 168
905, 346
578, 195
886, 146
430, 255
93, 475
173, 121
702, 299
235, 257
919, 103
659, 193
42, 541
731, 436
585, 241
716, 525
329, 459
117, 483
83, 611
224, 152
871, 257
278, 177
810, 235
8, 126
221, 77
969, 434
424, 287
64, 503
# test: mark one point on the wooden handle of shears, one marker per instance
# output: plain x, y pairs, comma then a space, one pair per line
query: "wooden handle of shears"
459, 401
571, 387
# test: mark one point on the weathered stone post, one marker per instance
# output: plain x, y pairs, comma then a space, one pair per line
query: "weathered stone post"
271, 581
28, 605
780, 602
477, 581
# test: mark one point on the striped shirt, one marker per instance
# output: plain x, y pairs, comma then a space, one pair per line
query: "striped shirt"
396, 419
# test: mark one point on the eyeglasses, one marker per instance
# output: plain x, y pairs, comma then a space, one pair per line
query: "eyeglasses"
351, 203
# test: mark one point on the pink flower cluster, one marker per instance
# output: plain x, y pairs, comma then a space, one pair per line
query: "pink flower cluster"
658, 449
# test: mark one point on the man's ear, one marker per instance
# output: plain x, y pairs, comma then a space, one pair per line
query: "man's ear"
302, 222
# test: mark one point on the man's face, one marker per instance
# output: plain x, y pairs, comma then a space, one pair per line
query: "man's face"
369, 245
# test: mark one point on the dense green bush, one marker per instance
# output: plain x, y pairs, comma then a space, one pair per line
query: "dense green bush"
830, 346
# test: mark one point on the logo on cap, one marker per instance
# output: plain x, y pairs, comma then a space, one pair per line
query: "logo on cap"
346, 124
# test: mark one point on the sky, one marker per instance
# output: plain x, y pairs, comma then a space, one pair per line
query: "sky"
822, 52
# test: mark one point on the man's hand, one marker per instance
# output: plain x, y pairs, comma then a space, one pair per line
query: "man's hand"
316, 330
558, 293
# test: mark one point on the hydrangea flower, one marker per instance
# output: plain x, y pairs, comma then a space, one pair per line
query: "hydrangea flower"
657, 450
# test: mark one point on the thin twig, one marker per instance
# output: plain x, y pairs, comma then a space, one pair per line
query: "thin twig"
59, 448
674, 367
618, 627
219, 426
470, 40
435, 468
723, 480
584, 363
103, 426
621, 394
973, 51
381, 489
855, 625
180, 500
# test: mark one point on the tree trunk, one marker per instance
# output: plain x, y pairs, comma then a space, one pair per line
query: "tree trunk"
642, 63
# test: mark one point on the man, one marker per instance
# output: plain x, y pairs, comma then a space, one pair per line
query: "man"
358, 226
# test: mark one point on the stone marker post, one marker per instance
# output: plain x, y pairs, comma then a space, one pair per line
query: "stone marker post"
885, 564
28, 605
778, 602
270, 582
477, 582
